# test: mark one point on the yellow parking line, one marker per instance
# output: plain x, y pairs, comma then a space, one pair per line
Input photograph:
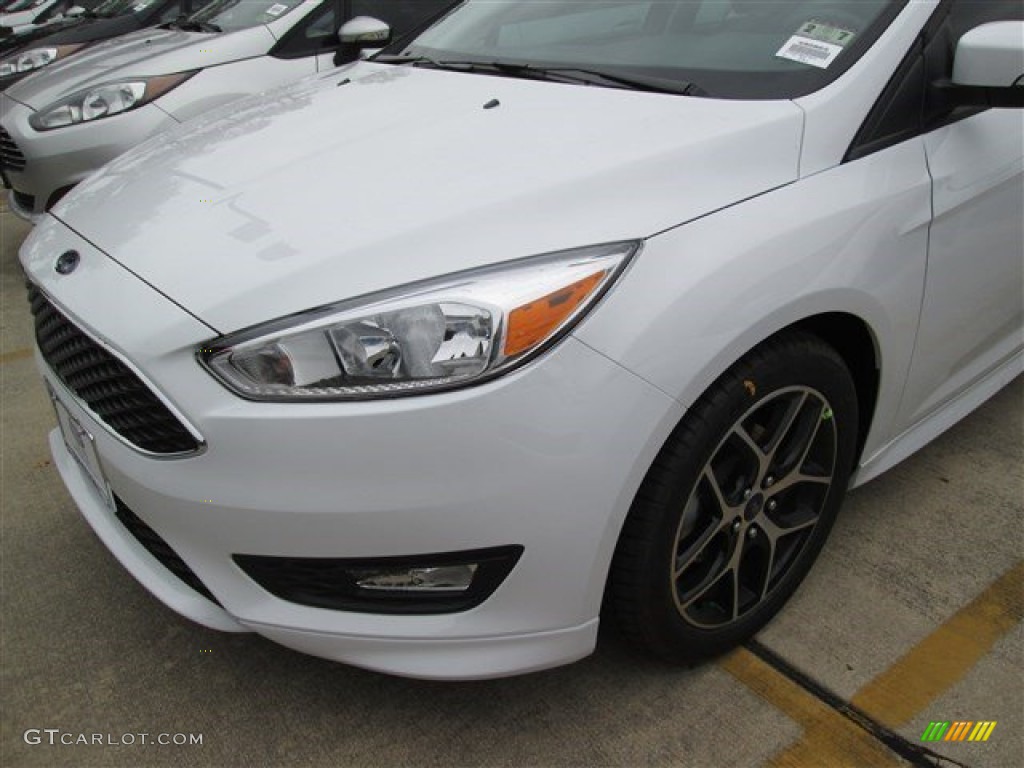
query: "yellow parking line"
18, 354
942, 659
925, 672
829, 738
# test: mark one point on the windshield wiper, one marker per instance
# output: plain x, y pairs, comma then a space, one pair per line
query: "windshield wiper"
183, 23
200, 26
600, 77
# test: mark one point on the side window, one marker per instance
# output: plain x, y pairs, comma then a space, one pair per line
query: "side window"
323, 25
908, 106
315, 34
402, 15
171, 12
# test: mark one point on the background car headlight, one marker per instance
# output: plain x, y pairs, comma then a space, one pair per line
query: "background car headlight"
34, 59
105, 100
437, 334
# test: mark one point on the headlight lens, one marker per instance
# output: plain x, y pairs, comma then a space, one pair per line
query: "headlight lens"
105, 100
434, 335
34, 59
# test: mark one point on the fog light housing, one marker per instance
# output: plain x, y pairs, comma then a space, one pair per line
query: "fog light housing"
446, 582
434, 578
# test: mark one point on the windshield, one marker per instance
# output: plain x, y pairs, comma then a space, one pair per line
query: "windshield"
111, 8
232, 15
20, 5
759, 49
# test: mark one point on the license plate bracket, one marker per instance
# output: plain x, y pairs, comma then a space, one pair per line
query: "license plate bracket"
82, 447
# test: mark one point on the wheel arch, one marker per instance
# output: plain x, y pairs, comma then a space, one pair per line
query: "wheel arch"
855, 342
851, 337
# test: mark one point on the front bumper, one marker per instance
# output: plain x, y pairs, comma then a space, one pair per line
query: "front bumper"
53, 161
548, 458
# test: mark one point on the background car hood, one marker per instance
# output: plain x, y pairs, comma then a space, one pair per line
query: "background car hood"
76, 30
151, 51
24, 36
374, 176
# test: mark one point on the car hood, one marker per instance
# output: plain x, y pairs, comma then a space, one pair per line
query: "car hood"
23, 37
142, 53
374, 176
79, 30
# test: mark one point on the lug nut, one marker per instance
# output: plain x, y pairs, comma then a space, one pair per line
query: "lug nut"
736, 525
752, 533
772, 505
769, 481
747, 494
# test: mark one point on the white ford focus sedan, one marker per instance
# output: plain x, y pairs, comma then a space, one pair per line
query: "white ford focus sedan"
557, 311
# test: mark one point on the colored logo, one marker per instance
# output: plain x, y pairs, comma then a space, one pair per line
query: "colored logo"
959, 730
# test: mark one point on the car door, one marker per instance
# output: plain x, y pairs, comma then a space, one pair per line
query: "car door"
973, 309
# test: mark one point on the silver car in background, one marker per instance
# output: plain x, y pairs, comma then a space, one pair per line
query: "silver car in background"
61, 124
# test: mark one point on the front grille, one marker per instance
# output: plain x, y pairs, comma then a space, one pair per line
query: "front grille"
10, 155
105, 384
160, 549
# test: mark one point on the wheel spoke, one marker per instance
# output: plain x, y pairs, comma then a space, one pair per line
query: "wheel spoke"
723, 504
810, 439
769, 565
735, 578
795, 478
784, 428
685, 559
762, 458
774, 531
712, 582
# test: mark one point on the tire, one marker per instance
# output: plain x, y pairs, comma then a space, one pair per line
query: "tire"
738, 503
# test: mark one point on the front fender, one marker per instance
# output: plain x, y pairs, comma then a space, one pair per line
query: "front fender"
852, 239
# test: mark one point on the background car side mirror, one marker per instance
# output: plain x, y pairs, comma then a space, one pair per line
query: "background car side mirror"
359, 36
988, 67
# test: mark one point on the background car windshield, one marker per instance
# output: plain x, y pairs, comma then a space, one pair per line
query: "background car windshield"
111, 8
730, 48
232, 15
21, 5
61, 7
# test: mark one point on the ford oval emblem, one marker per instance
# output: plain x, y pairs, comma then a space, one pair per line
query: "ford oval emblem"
67, 262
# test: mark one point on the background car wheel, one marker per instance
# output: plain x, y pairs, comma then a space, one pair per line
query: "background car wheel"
738, 503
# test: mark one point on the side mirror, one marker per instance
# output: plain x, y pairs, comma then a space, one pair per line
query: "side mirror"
988, 67
358, 35
365, 32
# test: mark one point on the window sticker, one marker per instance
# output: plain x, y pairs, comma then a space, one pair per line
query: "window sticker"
277, 9
816, 43
809, 51
826, 33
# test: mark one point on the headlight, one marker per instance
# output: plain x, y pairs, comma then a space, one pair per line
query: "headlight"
34, 59
105, 100
424, 337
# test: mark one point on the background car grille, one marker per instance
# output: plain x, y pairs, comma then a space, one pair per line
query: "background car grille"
160, 549
110, 389
10, 155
